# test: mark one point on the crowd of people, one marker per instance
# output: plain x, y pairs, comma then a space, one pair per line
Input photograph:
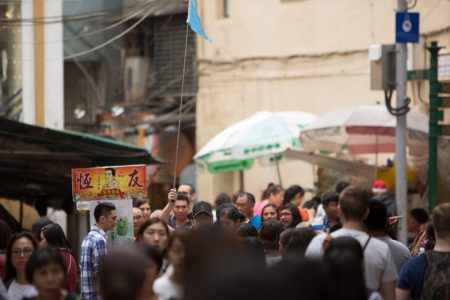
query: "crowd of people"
338, 245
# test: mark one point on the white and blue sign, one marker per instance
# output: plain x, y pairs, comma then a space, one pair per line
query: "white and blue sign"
406, 27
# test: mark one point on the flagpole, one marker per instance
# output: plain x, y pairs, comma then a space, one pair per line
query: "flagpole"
181, 109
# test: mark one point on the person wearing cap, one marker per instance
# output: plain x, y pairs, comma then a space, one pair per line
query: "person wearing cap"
380, 192
202, 215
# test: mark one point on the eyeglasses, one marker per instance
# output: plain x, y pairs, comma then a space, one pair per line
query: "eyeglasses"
22, 252
285, 214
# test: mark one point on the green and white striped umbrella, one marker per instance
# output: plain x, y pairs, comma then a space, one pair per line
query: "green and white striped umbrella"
261, 135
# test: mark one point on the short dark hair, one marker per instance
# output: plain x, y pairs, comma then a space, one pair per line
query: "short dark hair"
182, 197
246, 230
420, 215
221, 208
341, 185
55, 237
233, 213
343, 244
11, 272
296, 240
42, 257
221, 199
317, 200
116, 279
189, 185
269, 234
103, 209
152, 253
354, 203
309, 204
113, 171
329, 197
377, 220
250, 197
138, 202
441, 220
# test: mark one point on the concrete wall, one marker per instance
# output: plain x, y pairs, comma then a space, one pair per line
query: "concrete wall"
292, 55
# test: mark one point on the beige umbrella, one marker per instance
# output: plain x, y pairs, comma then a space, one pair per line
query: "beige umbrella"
29, 214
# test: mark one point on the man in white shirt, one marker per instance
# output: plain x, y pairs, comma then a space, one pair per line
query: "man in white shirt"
377, 226
379, 269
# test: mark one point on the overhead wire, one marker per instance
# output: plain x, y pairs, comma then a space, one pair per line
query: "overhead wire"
93, 32
112, 39
18, 2
85, 73
67, 18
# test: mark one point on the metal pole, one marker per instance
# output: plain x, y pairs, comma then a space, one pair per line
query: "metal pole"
277, 163
400, 133
241, 180
434, 127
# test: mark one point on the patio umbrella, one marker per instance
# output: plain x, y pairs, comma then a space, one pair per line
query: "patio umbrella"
362, 130
263, 134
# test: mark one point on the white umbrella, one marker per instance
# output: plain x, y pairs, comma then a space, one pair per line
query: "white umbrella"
263, 134
363, 129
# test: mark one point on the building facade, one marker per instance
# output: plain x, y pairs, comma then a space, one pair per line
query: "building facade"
303, 55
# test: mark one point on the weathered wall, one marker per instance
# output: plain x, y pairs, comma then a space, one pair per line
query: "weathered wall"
292, 55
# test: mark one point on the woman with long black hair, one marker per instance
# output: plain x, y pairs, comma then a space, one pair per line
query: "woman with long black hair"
53, 236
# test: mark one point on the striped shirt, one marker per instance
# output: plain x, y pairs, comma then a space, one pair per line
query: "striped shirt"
92, 249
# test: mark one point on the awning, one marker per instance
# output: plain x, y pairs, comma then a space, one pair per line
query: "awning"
37, 161
345, 166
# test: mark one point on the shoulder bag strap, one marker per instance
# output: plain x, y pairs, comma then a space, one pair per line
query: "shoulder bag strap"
367, 243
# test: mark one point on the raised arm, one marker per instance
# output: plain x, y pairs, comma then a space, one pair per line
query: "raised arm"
171, 197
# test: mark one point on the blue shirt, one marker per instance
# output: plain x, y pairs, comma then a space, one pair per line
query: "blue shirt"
412, 276
93, 248
256, 222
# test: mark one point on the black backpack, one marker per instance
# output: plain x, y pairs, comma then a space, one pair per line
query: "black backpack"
436, 284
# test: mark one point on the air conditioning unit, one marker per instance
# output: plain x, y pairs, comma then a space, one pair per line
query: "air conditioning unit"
135, 79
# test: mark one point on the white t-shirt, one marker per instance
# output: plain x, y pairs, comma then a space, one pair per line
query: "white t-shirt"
18, 291
378, 262
165, 288
400, 253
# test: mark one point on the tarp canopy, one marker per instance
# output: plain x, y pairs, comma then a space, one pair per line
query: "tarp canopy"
345, 166
37, 161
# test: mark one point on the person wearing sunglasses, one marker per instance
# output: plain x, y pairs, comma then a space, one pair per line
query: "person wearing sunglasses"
19, 249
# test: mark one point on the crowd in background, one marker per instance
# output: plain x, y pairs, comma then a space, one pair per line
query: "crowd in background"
338, 245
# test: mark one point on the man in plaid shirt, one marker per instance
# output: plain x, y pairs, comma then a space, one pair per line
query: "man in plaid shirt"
94, 247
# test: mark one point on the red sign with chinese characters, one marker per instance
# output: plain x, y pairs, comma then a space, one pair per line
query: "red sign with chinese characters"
109, 183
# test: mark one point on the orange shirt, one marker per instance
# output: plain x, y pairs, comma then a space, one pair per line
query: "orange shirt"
303, 214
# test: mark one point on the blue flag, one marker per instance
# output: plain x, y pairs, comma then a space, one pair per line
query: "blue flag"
194, 22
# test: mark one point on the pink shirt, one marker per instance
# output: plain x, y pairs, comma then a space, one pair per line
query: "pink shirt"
257, 209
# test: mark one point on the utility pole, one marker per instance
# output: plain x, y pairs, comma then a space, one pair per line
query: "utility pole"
400, 133
435, 116
439, 101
